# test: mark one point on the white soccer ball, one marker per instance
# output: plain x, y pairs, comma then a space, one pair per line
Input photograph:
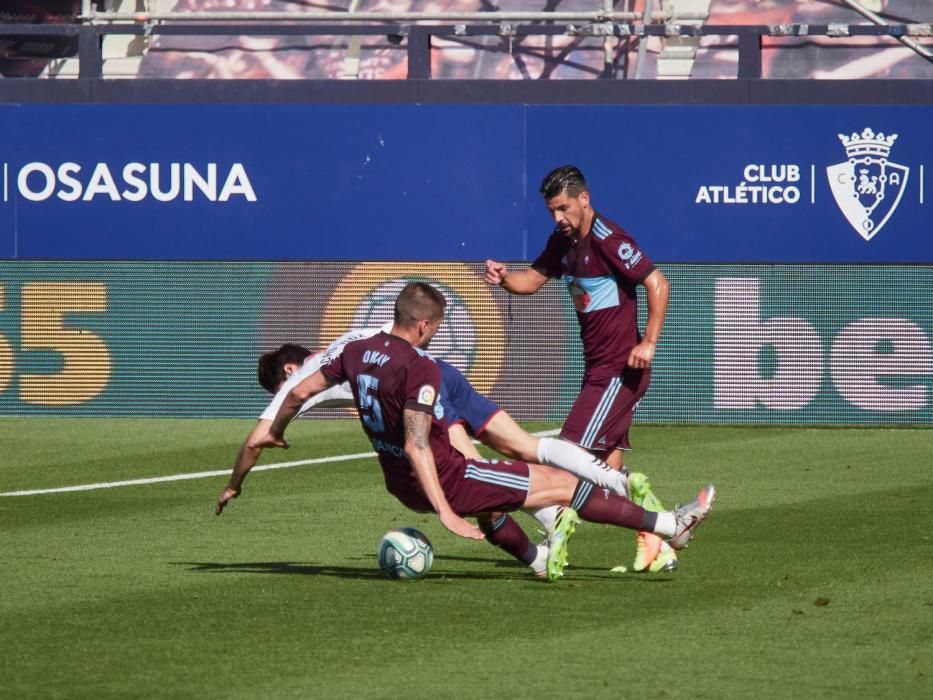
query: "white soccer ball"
405, 553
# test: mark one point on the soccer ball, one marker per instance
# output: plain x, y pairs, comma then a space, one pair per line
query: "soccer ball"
405, 553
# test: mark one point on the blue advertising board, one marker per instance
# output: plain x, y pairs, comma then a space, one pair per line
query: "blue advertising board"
269, 182
830, 184
738, 183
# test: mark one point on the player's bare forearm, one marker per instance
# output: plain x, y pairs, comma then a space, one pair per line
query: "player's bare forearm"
523, 281
286, 414
526, 281
418, 450
294, 400
246, 459
657, 293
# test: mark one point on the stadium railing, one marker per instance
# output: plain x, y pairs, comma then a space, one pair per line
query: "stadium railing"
418, 35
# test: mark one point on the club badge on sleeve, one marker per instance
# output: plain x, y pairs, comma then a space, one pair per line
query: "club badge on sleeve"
426, 395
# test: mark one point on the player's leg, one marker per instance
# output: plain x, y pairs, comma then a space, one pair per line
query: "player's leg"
599, 421
502, 531
651, 554
505, 436
615, 459
462, 443
550, 485
600, 418
547, 484
507, 486
599, 506
488, 489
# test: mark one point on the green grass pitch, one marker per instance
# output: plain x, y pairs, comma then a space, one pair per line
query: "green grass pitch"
812, 578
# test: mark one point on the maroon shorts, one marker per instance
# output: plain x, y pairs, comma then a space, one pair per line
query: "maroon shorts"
602, 414
485, 486
481, 487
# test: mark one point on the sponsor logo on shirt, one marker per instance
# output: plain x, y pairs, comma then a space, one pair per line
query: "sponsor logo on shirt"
579, 296
383, 446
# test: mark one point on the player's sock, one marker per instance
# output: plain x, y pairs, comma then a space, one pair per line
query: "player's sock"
539, 565
567, 456
666, 524
602, 507
507, 535
547, 517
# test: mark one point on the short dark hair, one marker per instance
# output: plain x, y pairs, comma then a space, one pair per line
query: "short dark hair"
271, 368
566, 178
418, 301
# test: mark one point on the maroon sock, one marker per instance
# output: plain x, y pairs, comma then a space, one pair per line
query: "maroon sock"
600, 506
507, 535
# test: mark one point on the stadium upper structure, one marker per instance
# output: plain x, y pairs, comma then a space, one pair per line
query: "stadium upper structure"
508, 55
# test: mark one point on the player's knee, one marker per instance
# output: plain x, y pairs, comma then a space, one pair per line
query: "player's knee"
489, 523
556, 485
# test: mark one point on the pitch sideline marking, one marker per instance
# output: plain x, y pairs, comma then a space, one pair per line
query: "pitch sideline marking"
204, 475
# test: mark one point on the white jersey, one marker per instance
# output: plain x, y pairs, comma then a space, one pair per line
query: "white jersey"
337, 396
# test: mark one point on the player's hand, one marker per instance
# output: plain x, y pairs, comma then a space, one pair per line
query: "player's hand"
268, 440
227, 495
642, 354
495, 272
459, 526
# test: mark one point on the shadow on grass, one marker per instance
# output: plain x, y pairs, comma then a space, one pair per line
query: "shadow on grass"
302, 569
506, 570
500, 563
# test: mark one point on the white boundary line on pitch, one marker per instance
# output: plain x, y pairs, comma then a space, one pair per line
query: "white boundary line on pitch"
205, 475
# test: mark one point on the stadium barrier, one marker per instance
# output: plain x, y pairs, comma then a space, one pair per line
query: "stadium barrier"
743, 344
123, 297
700, 183
418, 36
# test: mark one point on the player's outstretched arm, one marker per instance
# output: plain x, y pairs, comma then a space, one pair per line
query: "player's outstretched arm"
526, 281
245, 460
309, 386
418, 450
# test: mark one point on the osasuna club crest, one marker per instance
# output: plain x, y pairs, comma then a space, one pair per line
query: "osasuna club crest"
867, 187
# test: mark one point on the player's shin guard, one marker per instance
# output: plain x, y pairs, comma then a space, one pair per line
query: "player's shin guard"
567, 456
599, 506
507, 535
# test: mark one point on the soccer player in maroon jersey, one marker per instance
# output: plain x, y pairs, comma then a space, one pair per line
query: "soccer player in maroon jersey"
396, 386
280, 370
602, 266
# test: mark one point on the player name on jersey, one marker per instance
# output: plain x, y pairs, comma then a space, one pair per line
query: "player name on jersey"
372, 357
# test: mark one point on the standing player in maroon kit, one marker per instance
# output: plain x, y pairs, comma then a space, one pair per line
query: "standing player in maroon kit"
602, 266
396, 386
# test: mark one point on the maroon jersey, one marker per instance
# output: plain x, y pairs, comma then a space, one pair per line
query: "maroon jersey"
602, 272
387, 375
